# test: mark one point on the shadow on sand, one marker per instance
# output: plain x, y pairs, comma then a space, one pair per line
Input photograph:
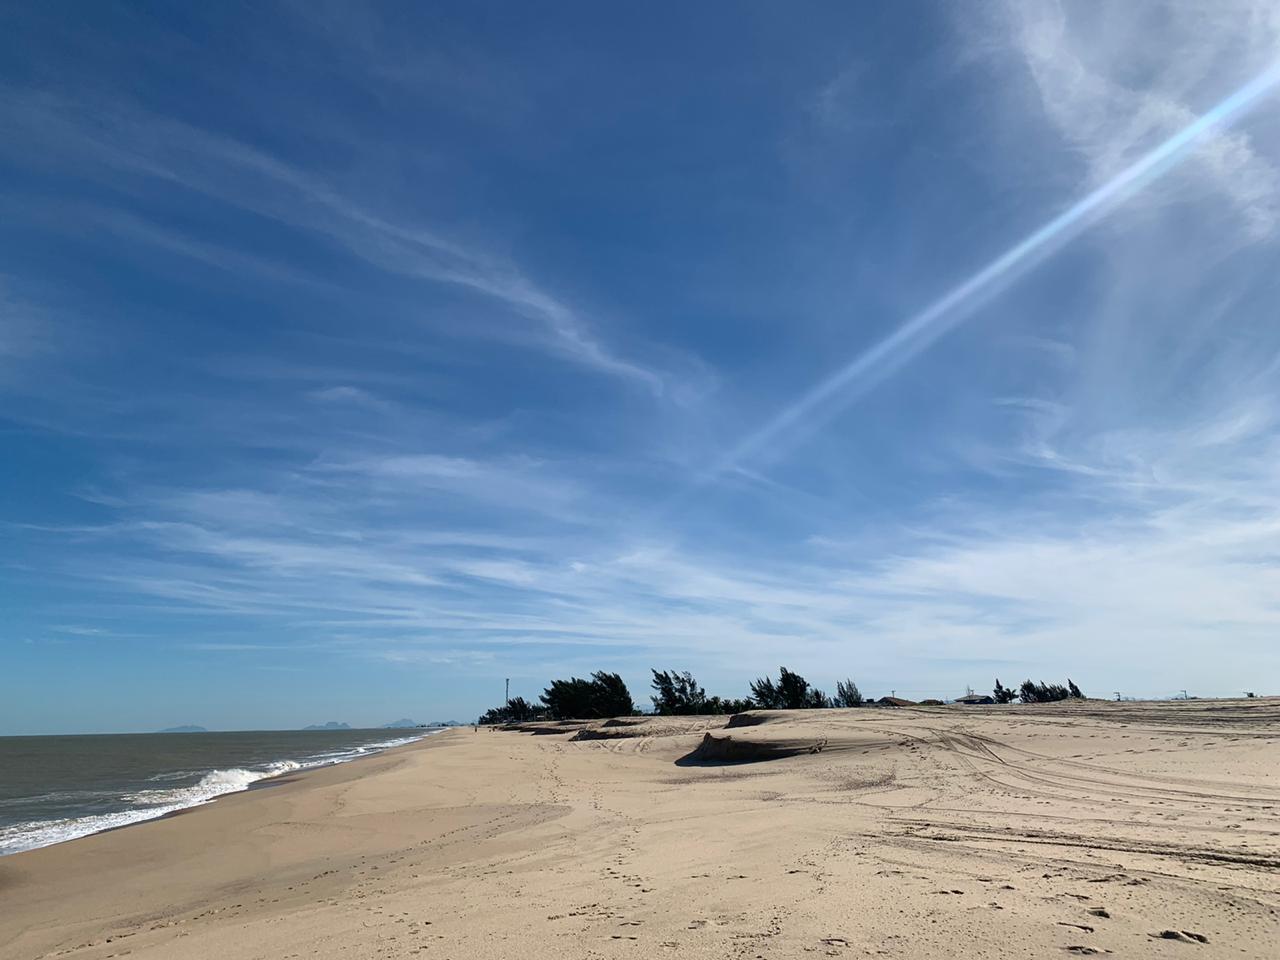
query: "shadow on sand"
717, 751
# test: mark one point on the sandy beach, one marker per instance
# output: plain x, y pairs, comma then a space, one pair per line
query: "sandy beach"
1125, 829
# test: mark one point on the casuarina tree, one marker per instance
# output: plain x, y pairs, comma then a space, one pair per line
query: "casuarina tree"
791, 692
515, 710
610, 696
1042, 692
678, 694
569, 699
604, 695
847, 694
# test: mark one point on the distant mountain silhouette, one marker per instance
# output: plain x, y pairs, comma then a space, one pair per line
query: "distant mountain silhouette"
400, 724
331, 725
188, 728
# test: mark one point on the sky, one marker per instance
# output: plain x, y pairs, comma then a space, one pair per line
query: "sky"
355, 358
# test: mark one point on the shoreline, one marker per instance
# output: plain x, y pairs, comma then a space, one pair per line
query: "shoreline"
1131, 830
275, 780
270, 780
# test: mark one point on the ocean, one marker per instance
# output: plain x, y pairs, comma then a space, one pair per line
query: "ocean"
58, 788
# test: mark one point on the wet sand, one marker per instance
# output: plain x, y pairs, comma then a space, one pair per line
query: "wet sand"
1129, 829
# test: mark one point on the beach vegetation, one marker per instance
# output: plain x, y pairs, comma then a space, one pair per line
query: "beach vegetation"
847, 694
678, 694
1003, 694
515, 710
791, 692
1031, 692
604, 695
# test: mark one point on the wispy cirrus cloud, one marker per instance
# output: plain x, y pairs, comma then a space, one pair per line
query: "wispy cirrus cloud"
127, 146
1155, 541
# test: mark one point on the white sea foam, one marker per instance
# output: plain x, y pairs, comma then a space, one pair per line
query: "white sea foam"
150, 804
211, 785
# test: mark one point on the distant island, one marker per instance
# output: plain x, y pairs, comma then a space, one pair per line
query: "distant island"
187, 728
331, 725
401, 724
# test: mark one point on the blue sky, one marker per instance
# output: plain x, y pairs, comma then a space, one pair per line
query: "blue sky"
353, 359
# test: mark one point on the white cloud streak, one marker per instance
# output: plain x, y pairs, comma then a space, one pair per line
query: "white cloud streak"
113, 144
1182, 554
1227, 158
1107, 83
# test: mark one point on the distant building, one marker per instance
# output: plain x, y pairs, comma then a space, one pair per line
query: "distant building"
973, 699
894, 702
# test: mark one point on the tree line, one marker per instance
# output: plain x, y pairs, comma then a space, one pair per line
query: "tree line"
678, 693
1042, 692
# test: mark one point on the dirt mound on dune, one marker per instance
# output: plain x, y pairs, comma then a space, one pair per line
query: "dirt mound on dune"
648, 727
754, 718
544, 727
726, 749
614, 729
605, 732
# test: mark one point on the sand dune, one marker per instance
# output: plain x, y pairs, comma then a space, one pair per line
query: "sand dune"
1135, 830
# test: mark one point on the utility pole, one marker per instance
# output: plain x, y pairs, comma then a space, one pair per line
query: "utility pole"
506, 697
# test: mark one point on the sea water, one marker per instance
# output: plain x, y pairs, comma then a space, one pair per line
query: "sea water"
61, 787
